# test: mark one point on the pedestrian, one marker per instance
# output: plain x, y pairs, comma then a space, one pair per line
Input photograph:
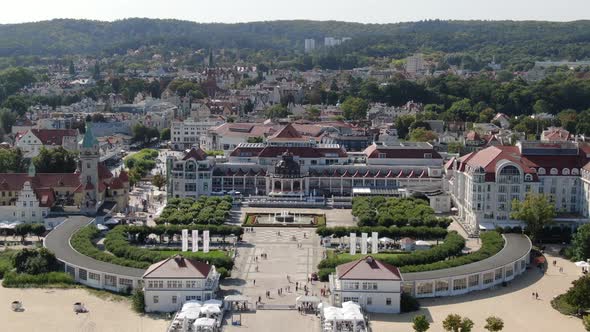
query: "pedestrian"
254, 282
259, 299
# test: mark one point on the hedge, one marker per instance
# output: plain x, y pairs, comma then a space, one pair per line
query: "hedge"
373, 211
452, 246
394, 232
125, 254
22, 280
205, 210
491, 244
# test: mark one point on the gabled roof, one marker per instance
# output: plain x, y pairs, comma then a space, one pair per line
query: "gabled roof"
195, 153
53, 136
367, 268
288, 132
178, 267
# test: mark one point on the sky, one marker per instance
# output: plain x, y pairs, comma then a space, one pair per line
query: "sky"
230, 11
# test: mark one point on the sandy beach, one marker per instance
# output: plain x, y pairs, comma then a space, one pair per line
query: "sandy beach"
51, 310
514, 304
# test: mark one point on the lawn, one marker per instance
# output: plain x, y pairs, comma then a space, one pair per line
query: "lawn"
196, 255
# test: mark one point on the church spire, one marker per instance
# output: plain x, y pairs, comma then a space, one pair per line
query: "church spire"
89, 139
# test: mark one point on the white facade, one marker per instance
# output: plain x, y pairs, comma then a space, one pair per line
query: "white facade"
309, 45
189, 133
483, 184
26, 208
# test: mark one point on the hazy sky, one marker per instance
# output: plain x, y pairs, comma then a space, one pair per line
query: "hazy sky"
366, 11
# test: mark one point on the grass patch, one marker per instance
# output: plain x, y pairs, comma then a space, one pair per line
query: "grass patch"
44, 280
107, 295
560, 304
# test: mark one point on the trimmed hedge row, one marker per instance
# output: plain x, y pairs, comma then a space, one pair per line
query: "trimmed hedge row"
81, 241
22, 280
492, 243
452, 246
373, 211
394, 232
205, 210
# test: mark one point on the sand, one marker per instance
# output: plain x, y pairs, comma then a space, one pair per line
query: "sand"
514, 304
49, 310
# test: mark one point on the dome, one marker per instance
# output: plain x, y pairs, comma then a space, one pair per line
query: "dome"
287, 167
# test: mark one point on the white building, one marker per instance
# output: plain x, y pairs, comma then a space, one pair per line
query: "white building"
309, 45
170, 283
189, 133
415, 64
483, 184
374, 285
31, 141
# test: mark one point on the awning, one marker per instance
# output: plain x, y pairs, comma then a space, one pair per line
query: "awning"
540, 260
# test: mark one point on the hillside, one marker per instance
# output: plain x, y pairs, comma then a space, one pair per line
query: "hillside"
505, 39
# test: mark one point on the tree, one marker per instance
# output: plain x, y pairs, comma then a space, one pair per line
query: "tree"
355, 108
277, 112
494, 324
72, 69
159, 181
535, 211
256, 139
578, 295
165, 134
586, 322
98, 117
421, 324
403, 123
144, 134
581, 243
22, 230
454, 323
422, 135
454, 147
312, 113
33, 261
7, 119
38, 230
58, 160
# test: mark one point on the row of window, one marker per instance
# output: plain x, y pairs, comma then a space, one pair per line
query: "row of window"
193, 284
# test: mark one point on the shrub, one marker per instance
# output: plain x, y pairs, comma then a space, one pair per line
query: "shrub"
373, 211
324, 274
33, 261
138, 301
394, 232
22, 280
408, 303
224, 272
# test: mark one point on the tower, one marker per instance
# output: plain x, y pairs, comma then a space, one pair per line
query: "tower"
89, 159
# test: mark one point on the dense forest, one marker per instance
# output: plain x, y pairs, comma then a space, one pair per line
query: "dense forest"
514, 43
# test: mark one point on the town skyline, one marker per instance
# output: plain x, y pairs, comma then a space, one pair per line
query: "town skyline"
227, 11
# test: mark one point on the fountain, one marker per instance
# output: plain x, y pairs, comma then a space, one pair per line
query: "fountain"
284, 217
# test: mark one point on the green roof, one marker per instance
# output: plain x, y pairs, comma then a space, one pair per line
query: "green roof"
89, 139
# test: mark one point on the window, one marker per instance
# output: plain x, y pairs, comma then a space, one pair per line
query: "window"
110, 280
474, 280
388, 301
174, 299
442, 285
488, 278
369, 285
156, 299
125, 282
382, 155
424, 288
553, 171
369, 301
94, 276
459, 284
498, 274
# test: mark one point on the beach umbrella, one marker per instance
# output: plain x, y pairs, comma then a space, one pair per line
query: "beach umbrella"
582, 264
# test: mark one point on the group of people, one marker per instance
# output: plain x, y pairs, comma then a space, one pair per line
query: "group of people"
560, 268
249, 229
305, 308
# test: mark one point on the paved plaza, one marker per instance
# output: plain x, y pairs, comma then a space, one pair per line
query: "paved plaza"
286, 257
334, 217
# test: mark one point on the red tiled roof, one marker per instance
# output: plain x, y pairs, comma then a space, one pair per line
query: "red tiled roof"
368, 268
178, 267
123, 176
54, 136
117, 184
373, 152
288, 132
197, 154
104, 172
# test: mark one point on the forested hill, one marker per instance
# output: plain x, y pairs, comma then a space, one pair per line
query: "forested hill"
570, 40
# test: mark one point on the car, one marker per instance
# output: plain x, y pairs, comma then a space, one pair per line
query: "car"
314, 277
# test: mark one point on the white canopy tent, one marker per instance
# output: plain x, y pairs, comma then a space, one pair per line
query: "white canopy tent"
386, 240
348, 318
204, 325
210, 310
582, 264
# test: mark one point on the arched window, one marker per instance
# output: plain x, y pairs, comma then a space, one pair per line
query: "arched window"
575, 171
528, 177
554, 171
510, 170
565, 171
541, 171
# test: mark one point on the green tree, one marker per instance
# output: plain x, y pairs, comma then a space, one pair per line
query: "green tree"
581, 243
355, 108
421, 324
7, 119
578, 295
494, 324
486, 115
22, 230
38, 229
96, 71
312, 113
17, 104
58, 160
459, 111
159, 181
165, 134
454, 147
276, 112
403, 123
422, 135
455, 323
257, 139
72, 69
535, 211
